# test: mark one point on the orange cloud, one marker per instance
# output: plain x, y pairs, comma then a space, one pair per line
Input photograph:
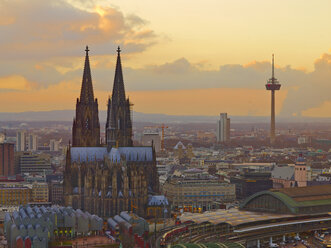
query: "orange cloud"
16, 83
175, 102
52, 30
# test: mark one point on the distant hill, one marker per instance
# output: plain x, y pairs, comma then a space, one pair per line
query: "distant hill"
67, 115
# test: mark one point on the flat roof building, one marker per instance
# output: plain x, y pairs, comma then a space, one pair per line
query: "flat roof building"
202, 194
33, 163
14, 195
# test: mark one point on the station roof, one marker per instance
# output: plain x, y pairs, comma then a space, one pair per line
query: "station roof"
233, 217
301, 194
209, 245
265, 226
297, 197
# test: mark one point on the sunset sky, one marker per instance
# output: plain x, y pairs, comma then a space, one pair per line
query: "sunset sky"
179, 57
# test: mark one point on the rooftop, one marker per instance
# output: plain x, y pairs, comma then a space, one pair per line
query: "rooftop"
209, 245
232, 217
318, 198
310, 193
90, 154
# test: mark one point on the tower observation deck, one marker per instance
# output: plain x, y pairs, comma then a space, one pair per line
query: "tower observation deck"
273, 85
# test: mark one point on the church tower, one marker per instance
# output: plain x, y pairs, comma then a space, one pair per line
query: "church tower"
86, 126
119, 125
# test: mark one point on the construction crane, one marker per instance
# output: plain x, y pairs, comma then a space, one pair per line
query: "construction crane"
163, 127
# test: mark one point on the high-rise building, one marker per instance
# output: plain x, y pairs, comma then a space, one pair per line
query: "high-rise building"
54, 145
7, 159
2, 137
106, 180
32, 142
86, 126
21, 141
223, 128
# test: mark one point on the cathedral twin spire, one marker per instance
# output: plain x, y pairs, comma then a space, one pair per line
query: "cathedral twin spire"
119, 124
86, 94
118, 87
86, 126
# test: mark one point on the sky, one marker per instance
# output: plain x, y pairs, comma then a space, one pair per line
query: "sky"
184, 57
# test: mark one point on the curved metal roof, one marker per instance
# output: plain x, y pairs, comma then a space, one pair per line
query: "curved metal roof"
297, 197
209, 245
233, 217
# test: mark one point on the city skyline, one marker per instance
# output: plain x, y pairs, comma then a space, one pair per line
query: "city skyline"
169, 69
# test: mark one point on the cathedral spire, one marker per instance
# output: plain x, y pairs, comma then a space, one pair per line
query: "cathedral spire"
86, 126
118, 87
118, 125
86, 94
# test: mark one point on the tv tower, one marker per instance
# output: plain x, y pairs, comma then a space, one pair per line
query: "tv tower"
272, 85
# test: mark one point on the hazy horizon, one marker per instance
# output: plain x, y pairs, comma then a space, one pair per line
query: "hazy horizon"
67, 116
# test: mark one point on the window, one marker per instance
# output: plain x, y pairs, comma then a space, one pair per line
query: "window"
87, 123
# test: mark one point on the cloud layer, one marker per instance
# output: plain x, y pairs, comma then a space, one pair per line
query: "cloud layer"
42, 55
42, 29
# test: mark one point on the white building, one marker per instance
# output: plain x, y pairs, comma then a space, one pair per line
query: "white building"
223, 128
21, 141
54, 145
303, 140
32, 142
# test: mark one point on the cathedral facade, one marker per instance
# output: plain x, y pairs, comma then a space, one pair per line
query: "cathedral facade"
105, 179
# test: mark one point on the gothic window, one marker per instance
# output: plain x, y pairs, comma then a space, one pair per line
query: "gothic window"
87, 123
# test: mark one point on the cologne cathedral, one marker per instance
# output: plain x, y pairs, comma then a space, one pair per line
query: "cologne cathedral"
105, 179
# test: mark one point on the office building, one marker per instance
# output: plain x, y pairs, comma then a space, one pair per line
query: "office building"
21, 141
249, 183
223, 128
14, 194
54, 145
33, 163
7, 159
32, 142
194, 194
39, 192
56, 192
